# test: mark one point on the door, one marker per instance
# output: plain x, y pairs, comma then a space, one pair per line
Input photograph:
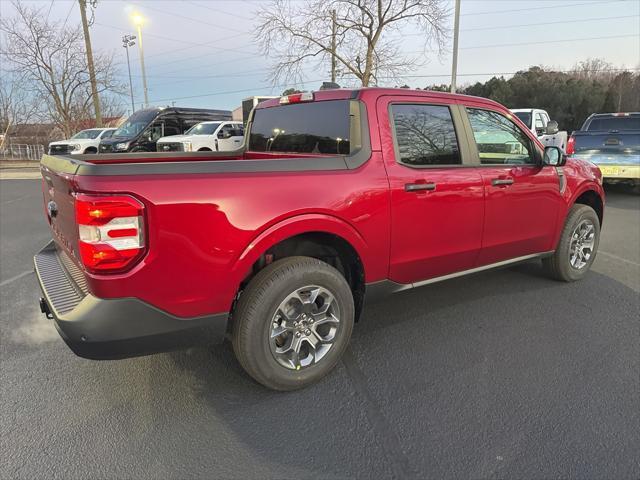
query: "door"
436, 196
228, 138
522, 198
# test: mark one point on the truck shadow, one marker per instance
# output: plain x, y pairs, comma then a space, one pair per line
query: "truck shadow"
332, 412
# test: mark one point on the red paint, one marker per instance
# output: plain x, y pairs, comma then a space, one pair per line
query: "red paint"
204, 232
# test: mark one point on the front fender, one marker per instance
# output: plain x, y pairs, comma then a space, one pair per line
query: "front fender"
297, 225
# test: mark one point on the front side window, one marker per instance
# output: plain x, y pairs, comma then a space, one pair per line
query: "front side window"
425, 135
499, 140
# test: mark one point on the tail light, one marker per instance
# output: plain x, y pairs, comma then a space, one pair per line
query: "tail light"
571, 145
110, 232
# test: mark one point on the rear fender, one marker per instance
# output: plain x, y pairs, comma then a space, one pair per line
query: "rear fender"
290, 227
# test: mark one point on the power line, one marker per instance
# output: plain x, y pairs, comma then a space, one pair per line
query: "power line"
146, 6
564, 22
161, 100
499, 45
50, 6
493, 74
219, 11
470, 14
68, 15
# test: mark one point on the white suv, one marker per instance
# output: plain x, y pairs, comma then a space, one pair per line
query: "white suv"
85, 141
205, 137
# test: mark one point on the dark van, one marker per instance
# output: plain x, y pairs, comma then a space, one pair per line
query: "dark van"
142, 130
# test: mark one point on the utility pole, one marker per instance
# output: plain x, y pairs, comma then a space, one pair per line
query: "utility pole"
333, 46
128, 41
138, 20
92, 71
456, 30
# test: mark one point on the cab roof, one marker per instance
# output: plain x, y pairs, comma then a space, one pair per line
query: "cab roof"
364, 93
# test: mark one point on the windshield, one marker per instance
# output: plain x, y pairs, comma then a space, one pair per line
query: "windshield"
607, 124
525, 117
203, 129
136, 123
86, 135
318, 127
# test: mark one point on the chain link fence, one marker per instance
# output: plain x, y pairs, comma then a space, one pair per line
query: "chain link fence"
22, 151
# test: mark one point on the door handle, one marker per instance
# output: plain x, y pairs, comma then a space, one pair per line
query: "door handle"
416, 187
502, 182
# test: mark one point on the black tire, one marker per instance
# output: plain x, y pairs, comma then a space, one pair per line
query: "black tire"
558, 266
90, 150
205, 149
253, 316
138, 149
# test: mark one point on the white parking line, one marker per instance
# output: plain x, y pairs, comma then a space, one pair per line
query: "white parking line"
20, 175
620, 259
14, 278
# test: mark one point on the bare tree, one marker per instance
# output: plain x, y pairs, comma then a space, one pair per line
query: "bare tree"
53, 63
297, 32
17, 106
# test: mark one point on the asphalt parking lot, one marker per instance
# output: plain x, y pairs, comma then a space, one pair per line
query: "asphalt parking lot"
505, 374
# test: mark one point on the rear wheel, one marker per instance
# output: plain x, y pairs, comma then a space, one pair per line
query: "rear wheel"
293, 323
577, 247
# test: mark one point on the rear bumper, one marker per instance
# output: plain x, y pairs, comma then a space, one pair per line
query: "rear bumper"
113, 328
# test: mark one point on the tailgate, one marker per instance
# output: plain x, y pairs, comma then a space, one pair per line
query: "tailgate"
612, 147
58, 190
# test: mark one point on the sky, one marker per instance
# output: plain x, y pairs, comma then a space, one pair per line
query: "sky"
202, 53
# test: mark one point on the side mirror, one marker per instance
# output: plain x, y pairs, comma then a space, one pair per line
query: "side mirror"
552, 127
554, 157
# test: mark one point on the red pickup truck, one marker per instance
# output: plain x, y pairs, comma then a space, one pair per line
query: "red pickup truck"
336, 198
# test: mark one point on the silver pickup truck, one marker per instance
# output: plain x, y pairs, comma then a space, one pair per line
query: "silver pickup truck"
611, 141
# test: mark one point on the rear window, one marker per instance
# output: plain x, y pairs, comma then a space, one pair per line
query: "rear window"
607, 124
315, 127
525, 117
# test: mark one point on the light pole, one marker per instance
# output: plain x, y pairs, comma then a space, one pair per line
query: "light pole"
138, 20
454, 63
128, 41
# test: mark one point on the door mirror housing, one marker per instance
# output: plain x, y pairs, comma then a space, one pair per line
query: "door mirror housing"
554, 157
552, 128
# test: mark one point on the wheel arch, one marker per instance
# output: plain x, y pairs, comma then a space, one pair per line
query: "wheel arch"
593, 198
314, 235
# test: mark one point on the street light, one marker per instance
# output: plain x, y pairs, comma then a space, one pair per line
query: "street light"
138, 20
128, 41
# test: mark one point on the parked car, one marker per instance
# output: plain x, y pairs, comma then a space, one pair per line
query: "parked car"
611, 141
540, 124
337, 198
205, 137
142, 130
85, 141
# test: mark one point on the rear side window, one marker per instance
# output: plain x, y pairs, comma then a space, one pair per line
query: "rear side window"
606, 124
499, 140
425, 135
314, 127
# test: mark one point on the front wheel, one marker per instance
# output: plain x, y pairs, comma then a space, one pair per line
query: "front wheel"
293, 323
577, 247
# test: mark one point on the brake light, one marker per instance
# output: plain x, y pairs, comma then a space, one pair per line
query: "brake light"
110, 231
297, 98
571, 148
